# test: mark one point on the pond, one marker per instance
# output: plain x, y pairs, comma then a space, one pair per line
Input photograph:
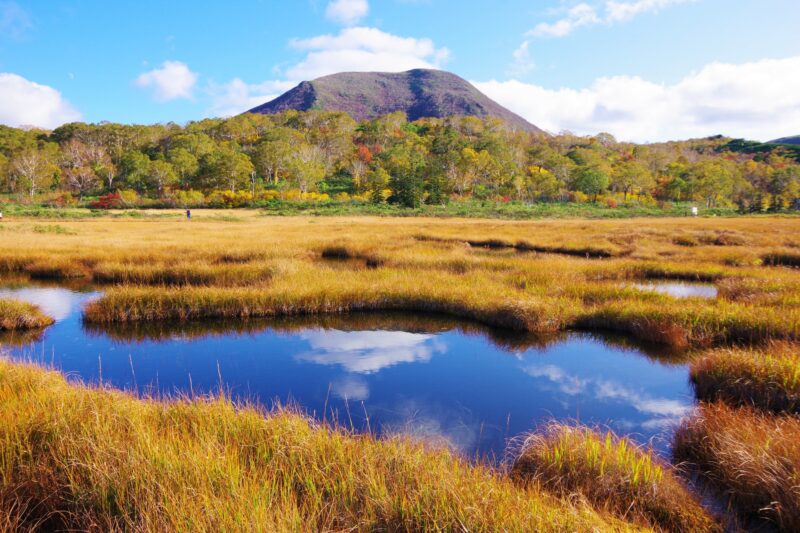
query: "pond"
428, 376
679, 289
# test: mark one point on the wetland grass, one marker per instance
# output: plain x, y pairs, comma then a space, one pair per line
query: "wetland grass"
768, 378
613, 474
82, 458
751, 457
18, 316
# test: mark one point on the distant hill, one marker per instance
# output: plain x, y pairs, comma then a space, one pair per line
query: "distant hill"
787, 140
419, 93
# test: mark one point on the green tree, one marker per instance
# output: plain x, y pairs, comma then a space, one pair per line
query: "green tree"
226, 168
134, 167
590, 181
185, 164
160, 175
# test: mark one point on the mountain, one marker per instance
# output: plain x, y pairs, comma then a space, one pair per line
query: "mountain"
787, 140
368, 95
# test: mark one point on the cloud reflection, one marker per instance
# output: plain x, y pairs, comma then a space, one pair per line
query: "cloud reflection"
57, 303
366, 352
664, 411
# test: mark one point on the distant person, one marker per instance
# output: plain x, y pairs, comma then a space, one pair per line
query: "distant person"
1, 216
188, 214
694, 211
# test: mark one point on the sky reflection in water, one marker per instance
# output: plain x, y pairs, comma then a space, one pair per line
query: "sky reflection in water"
431, 377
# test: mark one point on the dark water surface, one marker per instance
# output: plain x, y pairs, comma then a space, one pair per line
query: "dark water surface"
428, 376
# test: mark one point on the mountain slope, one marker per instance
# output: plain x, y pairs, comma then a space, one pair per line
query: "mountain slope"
787, 140
419, 93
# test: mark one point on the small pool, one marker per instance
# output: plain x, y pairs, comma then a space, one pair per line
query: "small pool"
679, 289
435, 378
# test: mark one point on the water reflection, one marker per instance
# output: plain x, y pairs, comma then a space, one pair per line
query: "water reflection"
432, 377
680, 289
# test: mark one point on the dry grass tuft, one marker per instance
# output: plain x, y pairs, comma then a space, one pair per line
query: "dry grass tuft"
768, 379
752, 457
15, 315
613, 474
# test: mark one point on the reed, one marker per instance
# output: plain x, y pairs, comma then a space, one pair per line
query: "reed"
768, 379
612, 473
751, 457
16, 316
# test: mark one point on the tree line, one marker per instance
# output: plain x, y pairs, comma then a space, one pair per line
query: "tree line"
390, 160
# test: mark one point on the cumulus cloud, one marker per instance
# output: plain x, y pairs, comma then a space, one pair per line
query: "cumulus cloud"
236, 96
758, 100
363, 49
357, 49
347, 12
25, 103
171, 81
612, 12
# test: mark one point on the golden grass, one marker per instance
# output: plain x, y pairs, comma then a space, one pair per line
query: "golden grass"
767, 379
752, 457
16, 315
530, 276
79, 458
612, 473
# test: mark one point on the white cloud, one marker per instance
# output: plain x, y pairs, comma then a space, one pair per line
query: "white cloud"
171, 81
23, 102
613, 12
350, 388
347, 12
365, 352
758, 100
661, 411
523, 64
356, 49
577, 16
363, 49
237, 96
57, 303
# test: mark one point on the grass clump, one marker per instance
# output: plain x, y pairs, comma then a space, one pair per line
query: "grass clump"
78, 458
192, 273
16, 315
750, 456
613, 474
789, 259
768, 379
56, 268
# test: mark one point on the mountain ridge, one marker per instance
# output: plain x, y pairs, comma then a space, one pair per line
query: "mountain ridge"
420, 93
795, 139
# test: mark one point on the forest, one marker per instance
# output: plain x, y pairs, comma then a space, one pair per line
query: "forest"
315, 156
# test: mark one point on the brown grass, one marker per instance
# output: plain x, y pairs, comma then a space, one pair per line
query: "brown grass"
767, 379
16, 315
612, 473
753, 458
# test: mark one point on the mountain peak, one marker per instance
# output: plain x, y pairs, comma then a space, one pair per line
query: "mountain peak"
419, 93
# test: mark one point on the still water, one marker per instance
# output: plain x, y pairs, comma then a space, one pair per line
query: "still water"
431, 377
679, 289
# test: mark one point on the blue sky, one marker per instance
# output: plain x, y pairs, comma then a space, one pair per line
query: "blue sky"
642, 70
